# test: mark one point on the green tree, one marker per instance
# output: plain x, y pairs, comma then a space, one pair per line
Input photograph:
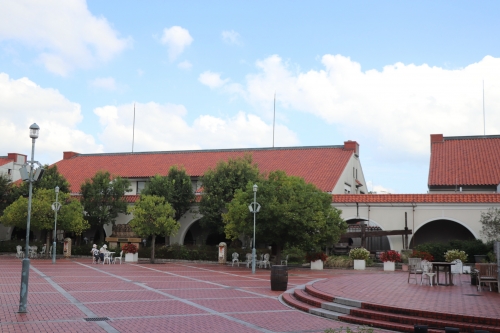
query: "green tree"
69, 218
102, 199
293, 213
153, 216
491, 224
7, 192
219, 187
176, 188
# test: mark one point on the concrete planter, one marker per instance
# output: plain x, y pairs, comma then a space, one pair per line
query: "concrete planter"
389, 266
404, 267
359, 264
131, 257
317, 265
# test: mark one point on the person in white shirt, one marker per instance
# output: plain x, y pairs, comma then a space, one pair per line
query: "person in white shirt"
95, 253
103, 250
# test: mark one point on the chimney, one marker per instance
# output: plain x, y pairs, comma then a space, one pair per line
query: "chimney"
352, 145
437, 138
69, 154
18, 158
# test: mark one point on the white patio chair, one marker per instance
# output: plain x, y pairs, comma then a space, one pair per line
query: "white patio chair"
118, 258
20, 252
427, 272
107, 257
285, 260
248, 260
414, 267
33, 251
44, 249
265, 261
235, 256
456, 269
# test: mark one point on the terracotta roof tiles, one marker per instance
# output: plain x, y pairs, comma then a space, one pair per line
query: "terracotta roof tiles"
456, 161
321, 166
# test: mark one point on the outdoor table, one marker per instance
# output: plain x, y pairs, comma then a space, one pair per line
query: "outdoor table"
446, 269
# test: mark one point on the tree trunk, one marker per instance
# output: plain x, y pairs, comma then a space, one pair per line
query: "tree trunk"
278, 254
153, 242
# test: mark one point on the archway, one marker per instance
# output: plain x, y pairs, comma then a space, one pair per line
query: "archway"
440, 231
20, 234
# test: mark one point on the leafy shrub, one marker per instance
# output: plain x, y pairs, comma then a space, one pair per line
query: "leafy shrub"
359, 253
338, 261
451, 255
295, 255
471, 247
316, 256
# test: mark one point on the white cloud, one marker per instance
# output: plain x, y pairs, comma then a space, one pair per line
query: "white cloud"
24, 103
64, 33
107, 83
379, 189
392, 111
185, 65
177, 39
231, 37
172, 132
212, 79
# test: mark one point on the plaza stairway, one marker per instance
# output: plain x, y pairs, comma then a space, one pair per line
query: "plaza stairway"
309, 299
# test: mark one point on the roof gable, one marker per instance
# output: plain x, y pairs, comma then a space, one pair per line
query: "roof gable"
464, 161
321, 166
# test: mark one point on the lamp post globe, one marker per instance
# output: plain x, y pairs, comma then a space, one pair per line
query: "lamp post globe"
23, 294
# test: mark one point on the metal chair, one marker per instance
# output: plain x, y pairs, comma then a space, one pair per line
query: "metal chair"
427, 272
285, 260
235, 256
414, 267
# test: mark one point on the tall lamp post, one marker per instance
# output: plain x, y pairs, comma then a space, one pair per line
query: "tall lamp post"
55, 207
254, 208
34, 130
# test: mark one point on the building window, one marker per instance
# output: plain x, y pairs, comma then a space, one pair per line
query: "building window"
140, 187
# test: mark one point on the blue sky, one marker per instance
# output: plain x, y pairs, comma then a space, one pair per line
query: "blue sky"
203, 75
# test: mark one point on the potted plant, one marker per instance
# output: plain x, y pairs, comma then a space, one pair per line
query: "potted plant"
451, 255
316, 259
390, 258
359, 255
130, 251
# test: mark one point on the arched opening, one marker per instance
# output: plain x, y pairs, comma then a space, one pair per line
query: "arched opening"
196, 235
440, 231
20, 234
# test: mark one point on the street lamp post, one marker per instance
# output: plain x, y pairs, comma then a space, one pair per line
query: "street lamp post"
55, 207
254, 208
34, 130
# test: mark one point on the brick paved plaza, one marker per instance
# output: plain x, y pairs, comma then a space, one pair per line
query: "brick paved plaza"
192, 297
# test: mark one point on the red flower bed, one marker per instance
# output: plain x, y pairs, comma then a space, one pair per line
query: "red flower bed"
316, 256
390, 255
129, 248
422, 255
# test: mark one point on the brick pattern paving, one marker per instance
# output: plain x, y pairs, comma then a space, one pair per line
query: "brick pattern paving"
172, 297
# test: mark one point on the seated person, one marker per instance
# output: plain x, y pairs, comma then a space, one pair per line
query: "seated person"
103, 250
95, 253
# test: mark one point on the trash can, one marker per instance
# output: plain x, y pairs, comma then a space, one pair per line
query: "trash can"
279, 277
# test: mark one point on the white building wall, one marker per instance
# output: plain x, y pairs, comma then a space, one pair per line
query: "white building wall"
349, 177
393, 217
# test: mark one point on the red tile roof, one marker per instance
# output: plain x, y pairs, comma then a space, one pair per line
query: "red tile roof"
4, 160
321, 166
417, 198
473, 160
